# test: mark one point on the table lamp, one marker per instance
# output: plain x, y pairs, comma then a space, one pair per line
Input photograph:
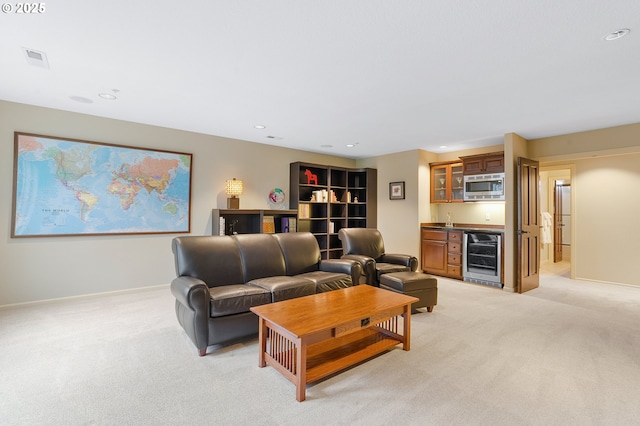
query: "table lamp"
234, 188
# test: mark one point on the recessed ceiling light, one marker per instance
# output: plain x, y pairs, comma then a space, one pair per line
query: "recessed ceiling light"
443, 146
326, 146
617, 34
278, 138
107, 96
351, 145
259, 126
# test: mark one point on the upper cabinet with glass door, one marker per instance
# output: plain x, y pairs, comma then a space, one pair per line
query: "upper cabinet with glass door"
446, 182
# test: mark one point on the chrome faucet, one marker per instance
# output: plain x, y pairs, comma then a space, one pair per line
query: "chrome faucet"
449, 224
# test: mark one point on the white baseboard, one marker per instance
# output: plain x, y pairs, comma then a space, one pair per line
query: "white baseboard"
83, 296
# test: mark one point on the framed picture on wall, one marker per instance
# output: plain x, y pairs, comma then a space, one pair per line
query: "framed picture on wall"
396, 190
68, 187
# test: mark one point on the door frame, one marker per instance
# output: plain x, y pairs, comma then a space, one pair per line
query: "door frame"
566, 172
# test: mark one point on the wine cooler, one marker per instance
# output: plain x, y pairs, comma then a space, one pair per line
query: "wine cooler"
482, 258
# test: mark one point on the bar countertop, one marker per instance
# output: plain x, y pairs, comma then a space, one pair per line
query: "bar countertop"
499, 229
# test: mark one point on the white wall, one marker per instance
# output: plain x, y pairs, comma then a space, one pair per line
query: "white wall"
45, 268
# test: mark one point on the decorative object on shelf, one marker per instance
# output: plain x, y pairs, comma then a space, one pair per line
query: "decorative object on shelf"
234, 188
321, 196
311, 177
232, 227
396, 190
276, 198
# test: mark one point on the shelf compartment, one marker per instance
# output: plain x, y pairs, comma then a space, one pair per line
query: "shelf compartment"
315, 176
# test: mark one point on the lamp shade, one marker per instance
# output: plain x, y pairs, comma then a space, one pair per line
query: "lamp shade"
234, 187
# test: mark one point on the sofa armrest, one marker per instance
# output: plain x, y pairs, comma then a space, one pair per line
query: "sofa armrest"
400, 259
368, 267
191, 292
350, 267
192, 308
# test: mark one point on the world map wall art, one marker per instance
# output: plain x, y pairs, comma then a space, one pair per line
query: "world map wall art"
66, 187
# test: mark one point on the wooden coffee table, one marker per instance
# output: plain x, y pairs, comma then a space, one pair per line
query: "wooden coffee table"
311, 337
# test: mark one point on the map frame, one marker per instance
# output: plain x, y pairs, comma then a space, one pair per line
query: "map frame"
18, 136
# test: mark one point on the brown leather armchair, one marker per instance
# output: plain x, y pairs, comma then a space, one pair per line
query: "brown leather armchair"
366, 246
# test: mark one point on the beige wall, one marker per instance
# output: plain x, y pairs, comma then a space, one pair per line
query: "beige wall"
605, 163
398, 220
605, 176
46, 268
605, 218
609, 141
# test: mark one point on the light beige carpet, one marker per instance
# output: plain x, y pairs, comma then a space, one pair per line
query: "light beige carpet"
567, 353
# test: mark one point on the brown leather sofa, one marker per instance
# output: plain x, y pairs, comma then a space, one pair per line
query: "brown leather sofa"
366, 246
220, 277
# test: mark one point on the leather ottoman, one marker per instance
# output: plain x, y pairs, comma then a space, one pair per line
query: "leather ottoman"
416, 284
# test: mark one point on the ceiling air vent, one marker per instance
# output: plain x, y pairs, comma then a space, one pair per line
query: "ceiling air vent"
36, 58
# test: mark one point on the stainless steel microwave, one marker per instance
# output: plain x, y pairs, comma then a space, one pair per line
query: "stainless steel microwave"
489, 187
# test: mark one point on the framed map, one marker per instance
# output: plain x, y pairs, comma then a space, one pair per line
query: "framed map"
66, 187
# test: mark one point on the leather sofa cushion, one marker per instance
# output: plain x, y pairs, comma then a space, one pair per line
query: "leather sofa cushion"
301, 252
237, 298
284, 288
386, 268
261, 256
364, 241
212, 259
327, 281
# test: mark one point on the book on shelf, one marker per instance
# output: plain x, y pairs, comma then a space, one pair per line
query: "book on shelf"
289, 224
304, 211
268, 225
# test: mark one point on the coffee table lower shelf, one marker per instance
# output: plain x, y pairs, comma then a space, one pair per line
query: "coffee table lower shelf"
330, 356
303, 362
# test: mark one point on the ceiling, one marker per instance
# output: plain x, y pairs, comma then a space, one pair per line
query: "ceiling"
383, 75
